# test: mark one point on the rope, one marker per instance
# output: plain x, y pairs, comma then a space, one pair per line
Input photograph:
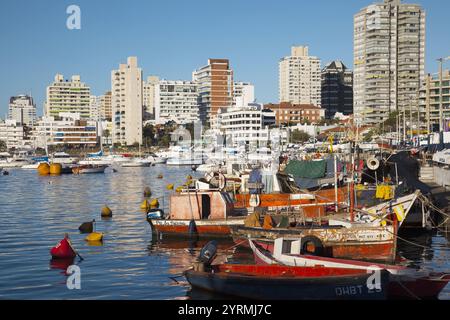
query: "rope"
407, 290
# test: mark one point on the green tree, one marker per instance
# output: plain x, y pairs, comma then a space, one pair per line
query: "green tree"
298, 136
391, 122
3, 147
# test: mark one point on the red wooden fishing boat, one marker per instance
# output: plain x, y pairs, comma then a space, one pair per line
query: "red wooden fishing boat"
63, 250
370, 237
405, 282
274, 282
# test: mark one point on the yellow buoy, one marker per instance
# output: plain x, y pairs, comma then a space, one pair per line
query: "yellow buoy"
189, 177
145, 205
44, 169
94, 236
170, 186
106, 212
154, 204
179, 189
55, 169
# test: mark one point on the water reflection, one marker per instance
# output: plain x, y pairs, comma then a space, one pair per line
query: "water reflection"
36, 211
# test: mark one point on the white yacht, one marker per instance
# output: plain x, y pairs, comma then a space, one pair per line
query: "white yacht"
36, 161
6, 161
136, 162
155, 159
63, 158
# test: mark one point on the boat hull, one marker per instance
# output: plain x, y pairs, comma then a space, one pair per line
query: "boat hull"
405, 283
205, 228
277, 283
361, 244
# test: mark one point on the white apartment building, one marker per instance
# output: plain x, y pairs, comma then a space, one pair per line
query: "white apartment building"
105, 111
246, 124
69, 130
435, 101
245, 90
127, 103
177, 101
151, 87
300, 78
389, 59
68, 96
12, 133
94, 108
22, 109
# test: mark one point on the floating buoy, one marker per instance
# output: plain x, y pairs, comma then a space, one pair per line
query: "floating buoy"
147, 192
189, 177
106, 212
170, 186
160, 176
55, 169
44, 169
87, 227
154, 204
145, 205
94, 236
179, 189
63, 250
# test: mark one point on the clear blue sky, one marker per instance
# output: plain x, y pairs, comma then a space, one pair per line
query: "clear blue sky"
173, 38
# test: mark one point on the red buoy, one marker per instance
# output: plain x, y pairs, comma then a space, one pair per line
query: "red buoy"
63, 250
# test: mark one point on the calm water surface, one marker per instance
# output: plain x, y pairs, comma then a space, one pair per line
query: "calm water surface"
35, 212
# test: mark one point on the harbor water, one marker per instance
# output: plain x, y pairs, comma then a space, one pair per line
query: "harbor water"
36, 211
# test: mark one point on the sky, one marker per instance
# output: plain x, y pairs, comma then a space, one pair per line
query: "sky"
173, 38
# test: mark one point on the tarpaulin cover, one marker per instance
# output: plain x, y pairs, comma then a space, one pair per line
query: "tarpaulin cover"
307, 169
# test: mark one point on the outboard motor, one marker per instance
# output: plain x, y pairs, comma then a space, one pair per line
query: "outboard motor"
208, 253
155, 214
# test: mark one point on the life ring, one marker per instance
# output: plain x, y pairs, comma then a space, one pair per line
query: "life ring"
316, 242
222, 181
254, 200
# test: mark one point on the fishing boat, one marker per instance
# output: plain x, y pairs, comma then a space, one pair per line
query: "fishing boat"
369, 236
211, 210
275, 282
405, 282
89, 169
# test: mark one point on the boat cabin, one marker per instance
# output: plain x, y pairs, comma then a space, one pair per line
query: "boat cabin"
201, 205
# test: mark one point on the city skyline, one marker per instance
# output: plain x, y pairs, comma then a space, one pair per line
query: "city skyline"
253, 35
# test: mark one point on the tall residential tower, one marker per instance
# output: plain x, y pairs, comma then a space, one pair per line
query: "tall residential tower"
299, 78
127, 103
215, 88
389, 60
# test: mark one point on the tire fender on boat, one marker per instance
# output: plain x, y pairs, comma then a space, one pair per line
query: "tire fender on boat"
318, 246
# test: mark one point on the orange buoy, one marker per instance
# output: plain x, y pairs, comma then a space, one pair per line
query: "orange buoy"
55, 169
44, 169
